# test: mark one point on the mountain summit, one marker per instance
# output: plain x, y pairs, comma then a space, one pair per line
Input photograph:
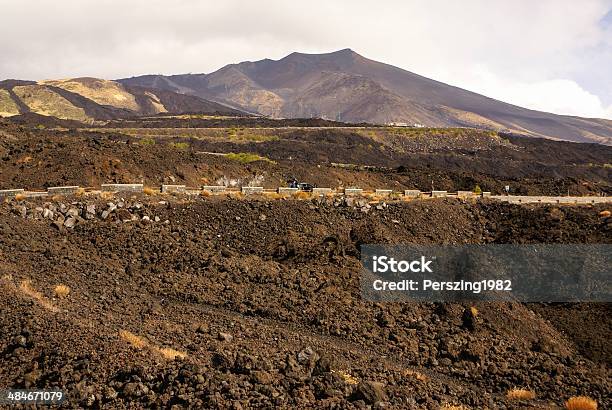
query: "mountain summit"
345, 86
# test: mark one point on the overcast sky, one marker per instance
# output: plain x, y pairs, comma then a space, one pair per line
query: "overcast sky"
551, 55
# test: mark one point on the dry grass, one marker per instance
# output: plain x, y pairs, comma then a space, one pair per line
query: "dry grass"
605, 213
149, 191
205, 193
24, 160
453, 407
61, 291
107, 195
274, 195
520, 394
136, 341
171, 354
140, 343
474, 311
412, 373
581, 403
80, 192
20, 197
26, 288
348, 378
302, 195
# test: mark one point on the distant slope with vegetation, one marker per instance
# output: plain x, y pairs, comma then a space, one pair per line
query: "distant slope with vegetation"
92, 99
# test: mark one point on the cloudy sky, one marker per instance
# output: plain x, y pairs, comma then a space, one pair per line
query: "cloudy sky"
551, 55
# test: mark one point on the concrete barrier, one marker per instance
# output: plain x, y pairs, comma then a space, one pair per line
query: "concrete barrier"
465, 194
412, 193
383, 192
438, 194
286, 190
249, 190
321, 191
122, 187
173, 189
62, 190
486, 194
524, 199
10, 192
353, 191
213, 188
35, 194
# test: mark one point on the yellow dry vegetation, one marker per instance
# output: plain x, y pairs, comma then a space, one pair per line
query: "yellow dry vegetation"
520, 394
171, 354
61, 291
581, 403
136, 341
26, 288
103, 92
44, 101
348, 378
141, 343
8, 107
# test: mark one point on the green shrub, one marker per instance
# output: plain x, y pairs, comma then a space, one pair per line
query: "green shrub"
146, 141
179, 145
477, 190
246, 158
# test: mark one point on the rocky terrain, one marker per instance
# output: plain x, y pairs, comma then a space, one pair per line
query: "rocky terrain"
238, 303
36, 154
230, 301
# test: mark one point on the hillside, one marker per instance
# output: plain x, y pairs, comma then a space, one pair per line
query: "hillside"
346, 86
90, 99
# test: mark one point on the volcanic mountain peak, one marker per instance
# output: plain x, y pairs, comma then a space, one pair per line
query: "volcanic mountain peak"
284, 88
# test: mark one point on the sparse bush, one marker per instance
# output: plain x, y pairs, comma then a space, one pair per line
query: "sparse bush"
247, 158
146, 141
179, 145
605, 214
20, 197
581, 403
520, 394
80, 192
61, 291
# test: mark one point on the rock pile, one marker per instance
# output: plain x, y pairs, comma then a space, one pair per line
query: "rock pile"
68, 215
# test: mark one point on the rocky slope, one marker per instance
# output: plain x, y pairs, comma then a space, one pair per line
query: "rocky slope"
152, 302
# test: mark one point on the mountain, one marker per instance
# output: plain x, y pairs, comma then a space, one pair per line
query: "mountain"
90, 99
346, 86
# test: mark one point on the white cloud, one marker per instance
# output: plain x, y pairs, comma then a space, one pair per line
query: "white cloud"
548, 54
